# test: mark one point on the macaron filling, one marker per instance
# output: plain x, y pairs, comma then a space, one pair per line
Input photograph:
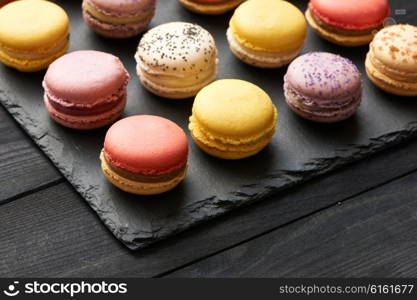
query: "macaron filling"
148, 176
323, 108
59, 47
101, 106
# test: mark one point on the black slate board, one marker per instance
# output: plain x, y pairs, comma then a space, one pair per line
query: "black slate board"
299, 151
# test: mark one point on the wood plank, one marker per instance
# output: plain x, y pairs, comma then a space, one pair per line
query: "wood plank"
66, 238
372, 235
23, 166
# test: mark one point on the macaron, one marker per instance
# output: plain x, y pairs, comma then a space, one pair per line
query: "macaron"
347, 23
86, 89
176, 60
145, 155
210, 7
118, 18
232, 119
33, 33
391, 62
323, 87
267, 33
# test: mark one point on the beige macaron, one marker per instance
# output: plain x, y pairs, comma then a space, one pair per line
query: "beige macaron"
176, 60
391, 62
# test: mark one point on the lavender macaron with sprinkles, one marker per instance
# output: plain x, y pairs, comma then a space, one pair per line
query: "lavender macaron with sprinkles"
176, 60
323, 87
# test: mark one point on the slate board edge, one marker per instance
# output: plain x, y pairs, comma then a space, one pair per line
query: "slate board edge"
214, 206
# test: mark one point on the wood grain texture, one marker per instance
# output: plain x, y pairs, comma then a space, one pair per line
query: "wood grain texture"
23, 167
369, 236
65, 237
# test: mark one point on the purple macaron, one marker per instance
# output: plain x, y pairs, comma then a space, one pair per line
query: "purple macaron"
323, 87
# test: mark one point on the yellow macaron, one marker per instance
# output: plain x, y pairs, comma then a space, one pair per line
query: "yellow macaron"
232, 119
391, 62
33, 33
267, 33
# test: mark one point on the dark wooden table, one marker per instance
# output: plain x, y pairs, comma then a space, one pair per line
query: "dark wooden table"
358, 221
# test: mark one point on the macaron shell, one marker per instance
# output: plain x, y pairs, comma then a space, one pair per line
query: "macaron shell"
85, 77
324, 76
146, 144
232, 109
269, 25
396, 48
352, 14
45, 24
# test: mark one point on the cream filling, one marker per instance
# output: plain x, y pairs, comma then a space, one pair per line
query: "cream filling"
115, 20
321, 110
258, 55
38, 56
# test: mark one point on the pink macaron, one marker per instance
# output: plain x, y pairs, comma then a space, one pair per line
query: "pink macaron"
86, 89
118, 18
